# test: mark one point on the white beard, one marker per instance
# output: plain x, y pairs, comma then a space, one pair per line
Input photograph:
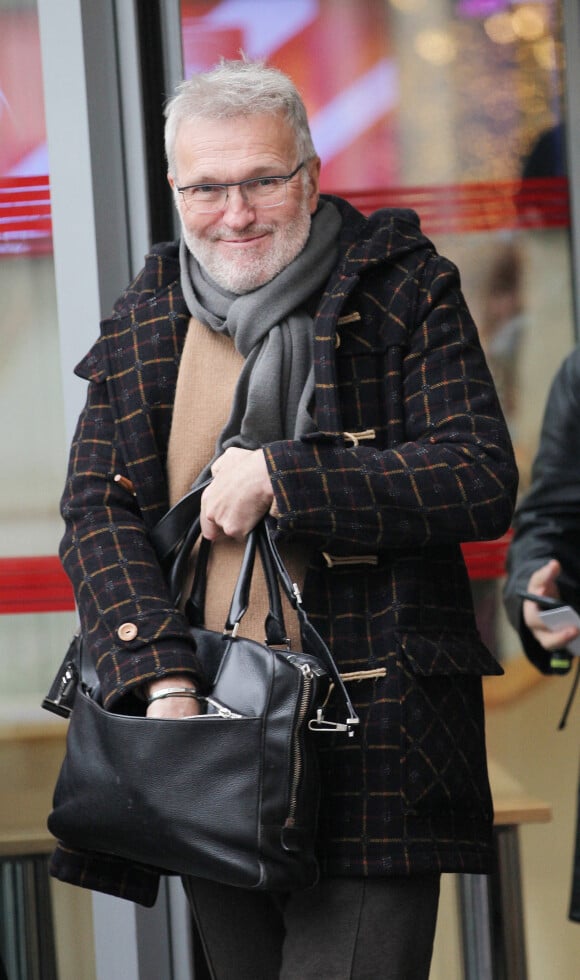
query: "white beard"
243, 274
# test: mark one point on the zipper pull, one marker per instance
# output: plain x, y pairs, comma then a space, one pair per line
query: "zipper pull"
221, 709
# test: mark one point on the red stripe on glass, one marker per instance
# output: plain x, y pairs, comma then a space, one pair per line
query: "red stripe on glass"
486, 559
463, 208
39, 584
34, 585
25, 215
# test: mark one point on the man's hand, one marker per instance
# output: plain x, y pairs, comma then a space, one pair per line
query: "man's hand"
238, 496
543, 582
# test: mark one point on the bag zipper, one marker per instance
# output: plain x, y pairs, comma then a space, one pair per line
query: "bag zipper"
221, 710
308, 675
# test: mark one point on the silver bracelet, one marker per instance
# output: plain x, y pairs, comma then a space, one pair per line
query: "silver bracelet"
173, 692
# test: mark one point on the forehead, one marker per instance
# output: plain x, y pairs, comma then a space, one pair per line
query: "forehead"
230, 149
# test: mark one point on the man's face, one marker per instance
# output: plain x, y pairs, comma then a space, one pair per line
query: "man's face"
244, 246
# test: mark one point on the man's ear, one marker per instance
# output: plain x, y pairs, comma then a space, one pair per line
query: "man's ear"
171, 180
313, 171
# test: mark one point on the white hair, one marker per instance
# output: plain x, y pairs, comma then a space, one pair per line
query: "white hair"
237, 88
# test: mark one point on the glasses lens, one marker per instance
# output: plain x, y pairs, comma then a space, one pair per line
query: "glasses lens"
205, 199
268, 192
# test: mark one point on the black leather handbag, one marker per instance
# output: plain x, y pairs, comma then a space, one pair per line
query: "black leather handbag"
231, 794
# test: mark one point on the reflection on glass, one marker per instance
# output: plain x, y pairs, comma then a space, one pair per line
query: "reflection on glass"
406, 92
31, 410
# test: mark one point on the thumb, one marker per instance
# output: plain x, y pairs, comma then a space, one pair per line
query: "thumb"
543, 581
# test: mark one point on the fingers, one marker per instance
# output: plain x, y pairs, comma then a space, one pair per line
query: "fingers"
548, 639
544, 579
238, 496
544, 582
210, 529
551, 639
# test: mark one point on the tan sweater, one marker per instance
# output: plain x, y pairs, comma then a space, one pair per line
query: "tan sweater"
208, 372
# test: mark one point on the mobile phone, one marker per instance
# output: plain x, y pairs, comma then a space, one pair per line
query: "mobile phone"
544, 601
556, 615
559, 619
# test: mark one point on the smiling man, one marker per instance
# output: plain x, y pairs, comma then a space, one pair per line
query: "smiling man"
324, 369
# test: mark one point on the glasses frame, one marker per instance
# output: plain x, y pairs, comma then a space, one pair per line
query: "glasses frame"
284, 178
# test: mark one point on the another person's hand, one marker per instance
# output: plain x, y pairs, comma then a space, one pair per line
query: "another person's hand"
543, 582
180, 706
238, 496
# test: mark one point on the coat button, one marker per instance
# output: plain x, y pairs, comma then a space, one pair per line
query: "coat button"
127, 632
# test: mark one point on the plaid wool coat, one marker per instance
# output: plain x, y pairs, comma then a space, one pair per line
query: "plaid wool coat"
411, 457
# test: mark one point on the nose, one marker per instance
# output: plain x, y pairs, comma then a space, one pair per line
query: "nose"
237, 210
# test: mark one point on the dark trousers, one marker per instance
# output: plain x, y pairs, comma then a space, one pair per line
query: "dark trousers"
342, 929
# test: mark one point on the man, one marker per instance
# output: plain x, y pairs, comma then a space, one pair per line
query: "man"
325, 369
544, 557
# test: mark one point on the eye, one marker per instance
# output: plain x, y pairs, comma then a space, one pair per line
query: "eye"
267, 182
205, 190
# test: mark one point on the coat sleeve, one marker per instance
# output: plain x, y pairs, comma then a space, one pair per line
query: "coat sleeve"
450, 477
131, 627
547, 522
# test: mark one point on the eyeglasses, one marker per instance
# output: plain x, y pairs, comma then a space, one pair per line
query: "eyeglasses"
262, 192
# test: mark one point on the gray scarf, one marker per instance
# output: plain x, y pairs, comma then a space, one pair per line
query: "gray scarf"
272, 329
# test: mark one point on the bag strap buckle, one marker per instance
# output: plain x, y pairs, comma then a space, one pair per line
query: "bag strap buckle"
320, 724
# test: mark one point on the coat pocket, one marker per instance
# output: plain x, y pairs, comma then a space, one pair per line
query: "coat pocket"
443, 757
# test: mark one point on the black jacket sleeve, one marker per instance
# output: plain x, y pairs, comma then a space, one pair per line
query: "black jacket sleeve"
547, 522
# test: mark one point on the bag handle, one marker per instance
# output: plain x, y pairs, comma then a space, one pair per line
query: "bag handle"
275, 628
174, 525
276, 573
312, 640
173, 537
